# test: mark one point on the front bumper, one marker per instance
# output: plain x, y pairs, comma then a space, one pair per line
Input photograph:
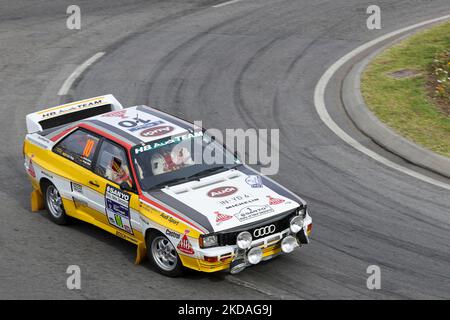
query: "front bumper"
226, 256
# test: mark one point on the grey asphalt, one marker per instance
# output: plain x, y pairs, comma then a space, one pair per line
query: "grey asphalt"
249, 64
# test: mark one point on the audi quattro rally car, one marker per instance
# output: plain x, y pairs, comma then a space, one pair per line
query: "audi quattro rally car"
133, 173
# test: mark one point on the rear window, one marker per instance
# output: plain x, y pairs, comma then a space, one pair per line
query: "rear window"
79, 146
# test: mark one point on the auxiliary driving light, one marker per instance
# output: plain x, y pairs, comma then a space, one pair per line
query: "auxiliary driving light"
244, 240
296, 224
254, 256
288, 244
237, 266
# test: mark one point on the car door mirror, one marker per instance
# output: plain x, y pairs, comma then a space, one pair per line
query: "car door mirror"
125, 186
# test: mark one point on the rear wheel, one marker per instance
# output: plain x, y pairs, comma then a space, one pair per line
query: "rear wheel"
163, 255
54, 204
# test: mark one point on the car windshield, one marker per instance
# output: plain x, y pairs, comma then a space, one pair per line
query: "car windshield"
179, 159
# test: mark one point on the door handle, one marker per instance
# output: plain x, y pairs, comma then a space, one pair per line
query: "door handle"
94, 183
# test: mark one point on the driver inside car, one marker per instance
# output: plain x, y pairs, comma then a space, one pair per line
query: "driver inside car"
118, 173
167, 161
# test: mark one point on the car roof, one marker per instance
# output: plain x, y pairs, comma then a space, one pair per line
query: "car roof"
139, 124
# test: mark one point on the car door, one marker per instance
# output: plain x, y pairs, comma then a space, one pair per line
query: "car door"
112, 178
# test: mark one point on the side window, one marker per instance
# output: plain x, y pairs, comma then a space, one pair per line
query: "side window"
112, 164
79, 146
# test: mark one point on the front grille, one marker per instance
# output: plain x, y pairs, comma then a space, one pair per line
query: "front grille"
229, 238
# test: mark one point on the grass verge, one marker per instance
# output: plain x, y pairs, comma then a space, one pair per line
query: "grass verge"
401, 87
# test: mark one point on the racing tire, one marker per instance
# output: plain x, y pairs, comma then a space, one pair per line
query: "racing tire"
163, 255
54, 205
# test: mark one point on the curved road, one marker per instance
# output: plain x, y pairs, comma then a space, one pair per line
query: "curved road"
251, 64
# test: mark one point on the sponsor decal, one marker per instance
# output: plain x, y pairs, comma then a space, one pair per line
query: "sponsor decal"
30, 168
116, 114
264, 231
237, 201
221, 192
254, 181
220, 217
157, 131
145, 126
117, 205
253, 211
173, 234
58, 112
274, 201
184, 245
125, 236
156, 145
137, 124
77, 187
169, 218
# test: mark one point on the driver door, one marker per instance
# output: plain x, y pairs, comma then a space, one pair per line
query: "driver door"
113, 181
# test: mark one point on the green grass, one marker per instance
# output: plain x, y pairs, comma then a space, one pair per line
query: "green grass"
406, 104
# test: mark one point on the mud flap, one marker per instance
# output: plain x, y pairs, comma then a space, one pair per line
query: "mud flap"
37, 202
141, 253
302, 236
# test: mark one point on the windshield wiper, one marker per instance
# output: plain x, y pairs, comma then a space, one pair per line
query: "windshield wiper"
205, 172
169, 183
195, 175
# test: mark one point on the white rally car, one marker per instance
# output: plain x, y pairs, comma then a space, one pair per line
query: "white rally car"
133, 172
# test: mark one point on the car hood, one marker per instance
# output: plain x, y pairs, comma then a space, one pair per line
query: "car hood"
228, 199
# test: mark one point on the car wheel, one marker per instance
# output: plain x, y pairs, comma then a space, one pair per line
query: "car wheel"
163, 255
54, 205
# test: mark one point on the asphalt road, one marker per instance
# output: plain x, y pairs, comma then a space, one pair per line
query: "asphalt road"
251, 64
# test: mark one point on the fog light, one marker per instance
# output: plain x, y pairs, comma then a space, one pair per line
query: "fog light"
296, 224
244, 240
237, 266
288, 244
255, 255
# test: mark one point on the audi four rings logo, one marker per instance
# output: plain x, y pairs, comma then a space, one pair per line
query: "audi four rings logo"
264, 231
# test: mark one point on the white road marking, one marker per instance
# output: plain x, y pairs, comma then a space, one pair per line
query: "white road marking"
319, 102
226, 3
78, 71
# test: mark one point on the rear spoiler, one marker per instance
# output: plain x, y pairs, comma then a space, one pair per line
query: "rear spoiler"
71, 112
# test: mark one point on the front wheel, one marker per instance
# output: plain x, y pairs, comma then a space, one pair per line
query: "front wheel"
54, 205
163, 255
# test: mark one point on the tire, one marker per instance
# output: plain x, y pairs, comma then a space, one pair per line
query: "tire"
54, 205
163, 255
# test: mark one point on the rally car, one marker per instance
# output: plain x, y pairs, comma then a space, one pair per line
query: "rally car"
135, 173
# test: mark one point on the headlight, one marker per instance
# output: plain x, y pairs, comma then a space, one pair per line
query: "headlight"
255, 255
288, 244
244, 240
207, 241
296, 224
302, 211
